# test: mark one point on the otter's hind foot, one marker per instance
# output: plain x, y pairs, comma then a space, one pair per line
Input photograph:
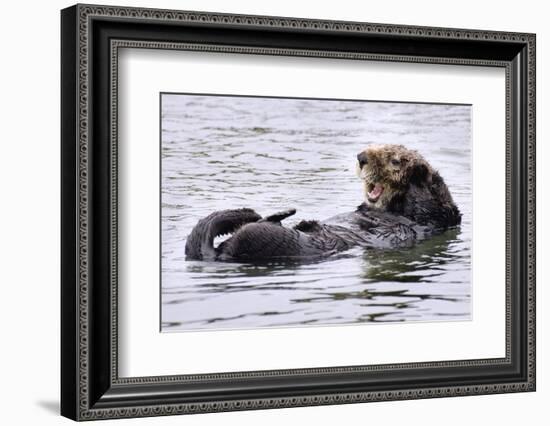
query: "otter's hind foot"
279, 216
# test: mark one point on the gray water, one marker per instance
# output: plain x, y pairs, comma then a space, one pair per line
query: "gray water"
270, 154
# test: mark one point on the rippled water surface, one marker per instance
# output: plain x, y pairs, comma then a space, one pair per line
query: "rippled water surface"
220, 152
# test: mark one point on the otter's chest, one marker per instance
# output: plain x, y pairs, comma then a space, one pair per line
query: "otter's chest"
380, 229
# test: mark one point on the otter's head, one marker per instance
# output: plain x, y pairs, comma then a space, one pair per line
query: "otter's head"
388, 172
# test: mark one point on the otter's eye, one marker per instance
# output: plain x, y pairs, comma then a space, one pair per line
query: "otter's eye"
395, 162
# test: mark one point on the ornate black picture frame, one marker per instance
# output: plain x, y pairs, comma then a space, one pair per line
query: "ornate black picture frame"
91, 387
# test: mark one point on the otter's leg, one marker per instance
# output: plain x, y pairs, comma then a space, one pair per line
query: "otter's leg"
266, 240
200, 243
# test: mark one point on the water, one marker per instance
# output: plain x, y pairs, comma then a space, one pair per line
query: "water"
272, 154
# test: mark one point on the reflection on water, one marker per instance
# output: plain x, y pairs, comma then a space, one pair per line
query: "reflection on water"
269, 154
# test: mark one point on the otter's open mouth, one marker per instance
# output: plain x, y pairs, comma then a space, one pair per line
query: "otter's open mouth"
374, 192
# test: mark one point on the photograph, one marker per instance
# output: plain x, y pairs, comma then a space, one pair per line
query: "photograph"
298, 212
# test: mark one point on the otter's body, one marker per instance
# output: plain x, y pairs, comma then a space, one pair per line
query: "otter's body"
406, 201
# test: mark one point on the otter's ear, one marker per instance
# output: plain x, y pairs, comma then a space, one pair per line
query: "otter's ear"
419, 174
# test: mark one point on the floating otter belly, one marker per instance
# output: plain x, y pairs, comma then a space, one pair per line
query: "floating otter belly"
406, 200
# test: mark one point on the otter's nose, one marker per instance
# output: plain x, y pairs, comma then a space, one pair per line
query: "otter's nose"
362, 158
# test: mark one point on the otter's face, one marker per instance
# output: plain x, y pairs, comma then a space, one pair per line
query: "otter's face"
388, 170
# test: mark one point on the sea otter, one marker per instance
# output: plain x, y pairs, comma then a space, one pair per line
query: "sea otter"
406, 200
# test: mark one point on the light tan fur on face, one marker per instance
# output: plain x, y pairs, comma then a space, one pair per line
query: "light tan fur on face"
390, 166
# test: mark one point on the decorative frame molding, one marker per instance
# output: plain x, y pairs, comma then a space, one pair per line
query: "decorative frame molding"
91, 37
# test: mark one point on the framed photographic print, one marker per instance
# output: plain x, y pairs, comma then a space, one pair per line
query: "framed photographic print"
263, 212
